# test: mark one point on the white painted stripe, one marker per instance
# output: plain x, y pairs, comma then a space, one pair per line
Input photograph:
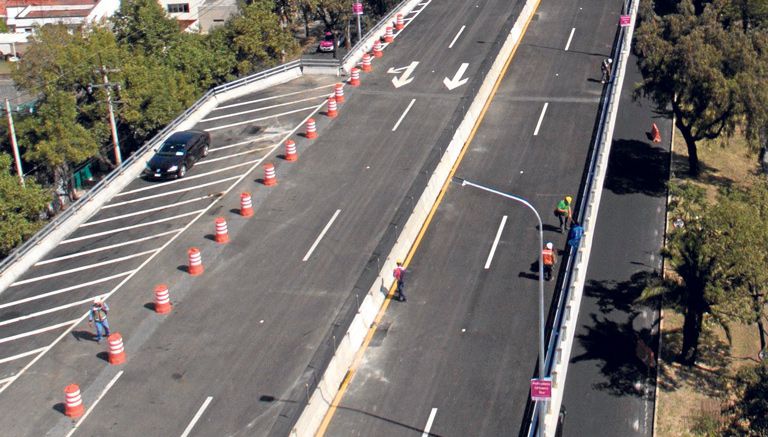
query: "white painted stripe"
252, 140
197, 416
128, 228
264, 108
430, 421
456, 37
7, 380
168, 193
21, 355
64, 290
185, 178
404, 114
96, 402
246, 152
37, 331
541, 118
240, 123
570, 37
250, 102
81, 268
146, 211
101, 249
322, 234
495, 242
44, 312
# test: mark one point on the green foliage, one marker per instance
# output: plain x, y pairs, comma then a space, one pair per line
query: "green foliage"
20, 207
751, 407
258, 38
144, 26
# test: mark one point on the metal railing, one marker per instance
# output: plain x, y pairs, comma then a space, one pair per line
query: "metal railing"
382, 23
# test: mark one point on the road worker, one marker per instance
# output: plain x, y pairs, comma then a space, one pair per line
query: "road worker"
98, 315
563, 212
399, 274
549, 259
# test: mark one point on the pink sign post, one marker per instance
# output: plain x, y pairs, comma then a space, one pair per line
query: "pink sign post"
624, 20
541, 389
357, 8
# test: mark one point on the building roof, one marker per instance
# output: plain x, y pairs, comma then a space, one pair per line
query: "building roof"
57, 13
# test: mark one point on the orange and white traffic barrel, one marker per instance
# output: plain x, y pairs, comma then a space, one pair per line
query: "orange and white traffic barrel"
388, 36
354, 80
222, 233
73, 401
162, 299
367, 68
195, 261
270, 177
116, 349
311, 129
246, 205
377, 53
339, 93
399, 22
333, 110
290, 151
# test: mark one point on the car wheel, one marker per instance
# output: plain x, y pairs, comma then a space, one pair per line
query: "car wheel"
205, 150
182, 170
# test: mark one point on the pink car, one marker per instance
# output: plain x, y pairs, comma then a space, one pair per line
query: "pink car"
326, 45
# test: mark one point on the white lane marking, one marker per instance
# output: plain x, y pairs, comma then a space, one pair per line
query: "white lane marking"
322, 234
264, 108
35, 332
239, 123
127, 228
44, 312
64, 290
6, 380
111, 246
21, 355
541, 118
568, 44
146, 211
197, 416
185, 179
495, 242
430, 421
252, 140
168, 193
81, 268
95, 402
250, 102
74, 323
456, 37
404, 114
246, 152
457, 81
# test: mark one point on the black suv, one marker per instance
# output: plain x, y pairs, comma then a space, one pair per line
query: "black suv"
178, 154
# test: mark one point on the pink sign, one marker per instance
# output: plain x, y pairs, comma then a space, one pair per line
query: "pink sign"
624, 20
357, 8
541, 389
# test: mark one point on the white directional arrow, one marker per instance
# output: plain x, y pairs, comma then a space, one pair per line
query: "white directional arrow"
457, 81
404, 79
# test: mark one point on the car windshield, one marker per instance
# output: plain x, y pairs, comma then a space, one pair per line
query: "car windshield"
172, 149
329, 37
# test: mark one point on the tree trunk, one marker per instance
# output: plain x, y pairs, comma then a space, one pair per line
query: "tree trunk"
690, 142
305, 13
761, 330
694, 316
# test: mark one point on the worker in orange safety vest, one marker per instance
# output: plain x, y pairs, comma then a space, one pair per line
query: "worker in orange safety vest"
549, 258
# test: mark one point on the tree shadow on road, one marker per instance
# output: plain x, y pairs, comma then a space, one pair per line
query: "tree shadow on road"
637, 167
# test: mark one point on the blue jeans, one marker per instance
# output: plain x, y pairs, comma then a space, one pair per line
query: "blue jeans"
102, 329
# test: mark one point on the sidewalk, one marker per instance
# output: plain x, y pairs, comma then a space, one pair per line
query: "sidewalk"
610, 386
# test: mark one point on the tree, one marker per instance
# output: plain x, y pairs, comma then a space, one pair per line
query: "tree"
750, 410
258, 38
143, 25
21, 208
704, 70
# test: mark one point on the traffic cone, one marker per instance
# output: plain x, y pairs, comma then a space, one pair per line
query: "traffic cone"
73, 402
339, 94
377, 53
354, 80
388, 36
399, 22
655, 133
290, 151
270, 178
116, 349
195, 262
311, 129
222, 234
332, 111
246, 205
162, 299
367, 68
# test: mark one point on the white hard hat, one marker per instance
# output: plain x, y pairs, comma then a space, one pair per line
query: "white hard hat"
97, 299
610, 60
549, 246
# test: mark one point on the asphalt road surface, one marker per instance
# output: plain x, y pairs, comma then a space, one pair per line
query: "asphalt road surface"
610, 386
457, 357
232, 356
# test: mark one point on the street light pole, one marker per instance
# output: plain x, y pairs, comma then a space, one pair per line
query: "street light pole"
519, 199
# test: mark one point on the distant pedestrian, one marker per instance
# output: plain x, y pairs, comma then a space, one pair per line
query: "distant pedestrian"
563, 212
98, 315
399, 275
549, 259
575, 234
605, 67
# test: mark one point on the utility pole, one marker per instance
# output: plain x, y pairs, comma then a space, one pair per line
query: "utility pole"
14, 145
103, 70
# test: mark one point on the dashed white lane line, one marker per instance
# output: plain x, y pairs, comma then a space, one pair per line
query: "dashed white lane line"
47, 311
147, 211
101, 249
456, 37
21, 355
199, 414
570, 37
127, 228
64, 290
404, 114
185, 179
169, 193
239, 123
35, 332
430, 421
264, 108
322, 234
250, 102
95, 402
81, 268
541, 118
234, 155
495, 242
